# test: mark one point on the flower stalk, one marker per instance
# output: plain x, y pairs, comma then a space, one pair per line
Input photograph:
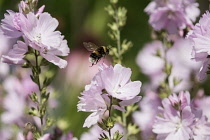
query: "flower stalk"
119, 17
43, 97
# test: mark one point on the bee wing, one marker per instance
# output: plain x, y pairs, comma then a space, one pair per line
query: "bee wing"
90, 46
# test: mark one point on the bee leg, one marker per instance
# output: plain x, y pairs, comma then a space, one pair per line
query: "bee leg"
91, 65
97, 61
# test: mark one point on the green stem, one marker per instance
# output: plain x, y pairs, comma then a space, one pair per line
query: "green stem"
168, 90
124, 124
110, 109
37, 67
39, 85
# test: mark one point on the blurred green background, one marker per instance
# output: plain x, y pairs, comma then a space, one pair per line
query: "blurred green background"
86, 20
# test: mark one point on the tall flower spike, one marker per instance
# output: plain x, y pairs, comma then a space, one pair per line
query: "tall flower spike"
201, 43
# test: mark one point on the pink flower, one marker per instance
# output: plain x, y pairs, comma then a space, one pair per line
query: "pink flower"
92, 101
179, 55
183, 66
201, 129
15, 101
178, 119
161, 19
23, 87
42, 37
146, 117
180, 102
14, 105
6, 43
201, 46
117, 82
147, 60
11, 25
16, 55
172, 15
38, 30
202, 102
174, 126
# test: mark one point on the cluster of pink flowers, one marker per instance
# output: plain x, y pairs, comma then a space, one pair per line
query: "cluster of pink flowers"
172, 15
15, 101
16, 98
115, 83
179, 120
179, 55
201, 43
38, 31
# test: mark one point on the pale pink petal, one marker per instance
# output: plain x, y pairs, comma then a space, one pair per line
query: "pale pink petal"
55, 60
128, 91
91, 119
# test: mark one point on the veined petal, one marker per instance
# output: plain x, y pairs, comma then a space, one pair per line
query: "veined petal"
128, 91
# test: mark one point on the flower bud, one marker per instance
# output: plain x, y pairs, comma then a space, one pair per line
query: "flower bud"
24, 7
117, 136
110, 123
40, 10
33, 112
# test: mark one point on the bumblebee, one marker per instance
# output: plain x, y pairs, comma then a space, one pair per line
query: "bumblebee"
97, 52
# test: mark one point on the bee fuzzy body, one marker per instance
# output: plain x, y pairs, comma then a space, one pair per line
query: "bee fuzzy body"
97, 52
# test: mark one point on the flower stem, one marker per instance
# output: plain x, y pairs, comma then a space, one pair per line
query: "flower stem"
38, 69
110, 109
168, 66
124, 124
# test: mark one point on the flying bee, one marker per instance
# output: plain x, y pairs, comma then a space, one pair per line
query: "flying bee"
97, 52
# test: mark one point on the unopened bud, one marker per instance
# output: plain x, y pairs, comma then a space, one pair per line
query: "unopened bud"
40, 10
110, 123
24, 7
